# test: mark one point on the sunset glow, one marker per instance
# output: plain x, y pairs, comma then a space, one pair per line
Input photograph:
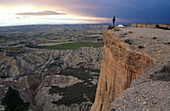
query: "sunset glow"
30, 15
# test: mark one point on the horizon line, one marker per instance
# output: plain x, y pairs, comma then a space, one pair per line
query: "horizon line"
106, 23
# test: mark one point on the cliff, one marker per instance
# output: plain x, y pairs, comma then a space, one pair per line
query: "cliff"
120, 66
149, 25
163, 26
150, 91
143, 25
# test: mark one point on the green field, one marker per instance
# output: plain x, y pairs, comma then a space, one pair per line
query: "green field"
74, 45
9, 39
2, 40
12, 49
61, 38
74, 33
42, 39
27, 39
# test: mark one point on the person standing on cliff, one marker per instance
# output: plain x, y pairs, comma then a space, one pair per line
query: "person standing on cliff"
114, 19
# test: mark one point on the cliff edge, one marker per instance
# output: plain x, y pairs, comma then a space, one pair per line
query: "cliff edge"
120, 66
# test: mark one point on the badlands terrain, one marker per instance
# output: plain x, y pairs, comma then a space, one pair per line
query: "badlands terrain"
56, 68
52, 67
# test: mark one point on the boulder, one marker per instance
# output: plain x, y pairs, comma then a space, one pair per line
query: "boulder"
110, 27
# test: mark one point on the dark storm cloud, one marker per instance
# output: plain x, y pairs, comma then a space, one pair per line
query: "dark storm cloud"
154, 11
41, 13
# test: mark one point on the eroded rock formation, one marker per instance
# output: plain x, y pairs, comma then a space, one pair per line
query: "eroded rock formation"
37, 61
44, 99
7, 66
120, 66
36, 75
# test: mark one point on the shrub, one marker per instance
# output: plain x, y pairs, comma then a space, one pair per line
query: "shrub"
163, 74
13, 102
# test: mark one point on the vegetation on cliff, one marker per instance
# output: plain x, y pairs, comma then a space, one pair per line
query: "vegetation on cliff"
11, 49
76, 94
13, 102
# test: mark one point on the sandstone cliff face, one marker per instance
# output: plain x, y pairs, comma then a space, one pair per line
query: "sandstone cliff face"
149, 25
143, 25
120, 66
164, 26
149, 92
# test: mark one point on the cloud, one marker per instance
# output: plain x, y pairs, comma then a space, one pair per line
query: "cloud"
22, 17
44, 13
132, 10
18, 18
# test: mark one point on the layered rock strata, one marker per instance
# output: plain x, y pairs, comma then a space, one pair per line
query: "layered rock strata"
143, 25
149, 25
120, 66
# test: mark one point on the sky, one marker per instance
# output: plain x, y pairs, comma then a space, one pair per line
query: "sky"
27, 12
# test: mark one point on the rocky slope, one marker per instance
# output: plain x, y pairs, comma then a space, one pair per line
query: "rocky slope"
44, 99
120, 66
7, 66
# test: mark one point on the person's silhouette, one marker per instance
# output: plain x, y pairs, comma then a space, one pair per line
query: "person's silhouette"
114, 19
